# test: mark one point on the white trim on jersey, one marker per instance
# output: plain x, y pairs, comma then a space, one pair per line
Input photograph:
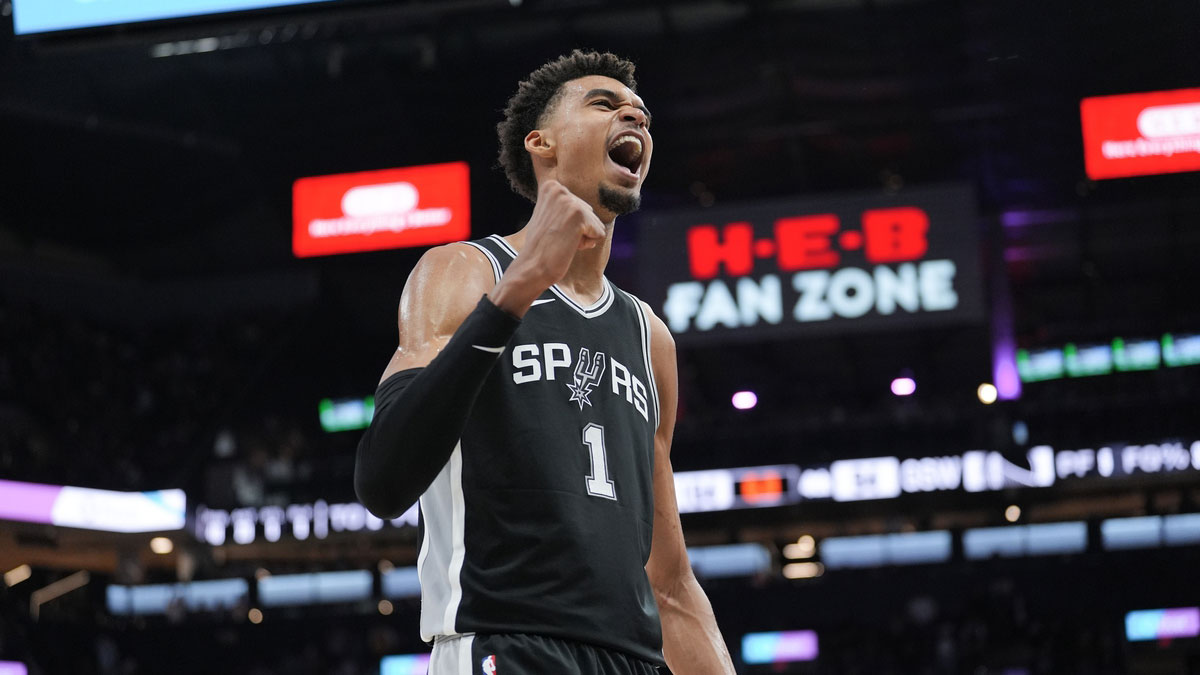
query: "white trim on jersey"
439, 565
644, 324
595, 309
457, 539
496, 271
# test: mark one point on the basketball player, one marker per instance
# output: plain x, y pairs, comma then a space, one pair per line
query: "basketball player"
530, 406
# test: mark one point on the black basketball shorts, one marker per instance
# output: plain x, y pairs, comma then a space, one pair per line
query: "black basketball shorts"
519, 654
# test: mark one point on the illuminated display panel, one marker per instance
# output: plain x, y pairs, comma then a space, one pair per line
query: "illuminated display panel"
92, 509
779, 647
194, 596
1122, 355
346, 414
1162, 624
1141, 134
378, 210
404, 664
844, 480
41, 16
793, 267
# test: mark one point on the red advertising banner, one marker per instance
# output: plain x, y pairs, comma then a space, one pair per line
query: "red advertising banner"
376, 210
1141, 134
795, 267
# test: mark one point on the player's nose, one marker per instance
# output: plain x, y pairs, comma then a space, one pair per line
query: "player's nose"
631, 114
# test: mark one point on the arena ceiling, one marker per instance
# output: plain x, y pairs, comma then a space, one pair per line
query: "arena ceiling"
153, 149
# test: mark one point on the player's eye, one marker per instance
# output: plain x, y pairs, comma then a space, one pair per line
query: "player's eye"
606, 103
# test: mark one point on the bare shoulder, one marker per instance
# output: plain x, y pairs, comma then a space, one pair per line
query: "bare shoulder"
442, 289
450, 268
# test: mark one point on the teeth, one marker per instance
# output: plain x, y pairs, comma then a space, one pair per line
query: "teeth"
626, 139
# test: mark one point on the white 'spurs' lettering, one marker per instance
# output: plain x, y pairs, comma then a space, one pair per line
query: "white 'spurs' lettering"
535, 363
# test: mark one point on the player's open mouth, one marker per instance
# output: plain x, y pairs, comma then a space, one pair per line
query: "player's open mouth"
626, 151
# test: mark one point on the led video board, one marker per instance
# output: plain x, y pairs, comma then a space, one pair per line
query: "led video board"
346, 414
1162, 624
1087, 360
1141, 134
91, 509
779, 647
377, 210
794, 267
42, 16
755, 487
404, 664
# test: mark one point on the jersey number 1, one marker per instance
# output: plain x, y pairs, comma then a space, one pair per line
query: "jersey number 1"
598, 483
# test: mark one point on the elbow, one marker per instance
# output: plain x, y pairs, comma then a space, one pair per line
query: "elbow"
673, 582
374, 494
669, 588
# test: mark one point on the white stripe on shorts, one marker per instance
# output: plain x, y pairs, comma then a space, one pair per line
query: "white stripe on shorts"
452, 655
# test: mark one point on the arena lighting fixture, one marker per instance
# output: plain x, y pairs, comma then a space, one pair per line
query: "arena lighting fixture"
803, 570
385, 607
804, 547
255, 615
745, 400
904, 386
162, 545
262, 573
1013, 513
987, 393
17, 574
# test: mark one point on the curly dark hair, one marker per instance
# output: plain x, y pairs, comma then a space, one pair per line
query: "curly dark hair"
536, 96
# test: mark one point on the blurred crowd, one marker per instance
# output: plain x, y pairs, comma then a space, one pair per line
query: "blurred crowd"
129, 407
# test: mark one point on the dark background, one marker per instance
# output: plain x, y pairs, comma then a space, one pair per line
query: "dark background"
156, 331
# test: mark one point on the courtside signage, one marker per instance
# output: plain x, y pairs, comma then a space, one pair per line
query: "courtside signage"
788, 268
1141, 134
377, 210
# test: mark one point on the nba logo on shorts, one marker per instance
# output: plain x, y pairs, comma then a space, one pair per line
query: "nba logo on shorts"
489, 665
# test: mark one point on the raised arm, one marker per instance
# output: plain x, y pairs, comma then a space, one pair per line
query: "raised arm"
450, 339
692, 643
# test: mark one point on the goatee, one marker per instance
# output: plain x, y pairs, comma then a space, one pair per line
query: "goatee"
619, 202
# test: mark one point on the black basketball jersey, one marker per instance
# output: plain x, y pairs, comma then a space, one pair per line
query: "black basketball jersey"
541, 520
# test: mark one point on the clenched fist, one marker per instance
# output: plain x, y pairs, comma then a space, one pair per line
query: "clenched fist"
561, 225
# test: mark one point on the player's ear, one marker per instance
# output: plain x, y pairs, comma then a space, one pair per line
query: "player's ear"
539, 144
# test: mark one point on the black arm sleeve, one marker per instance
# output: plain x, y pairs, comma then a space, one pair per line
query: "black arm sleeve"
420, 413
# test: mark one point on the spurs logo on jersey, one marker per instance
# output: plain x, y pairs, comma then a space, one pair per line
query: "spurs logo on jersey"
535, 363
587, 376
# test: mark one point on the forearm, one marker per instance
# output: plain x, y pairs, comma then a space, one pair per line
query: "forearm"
420, 414
692, 642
